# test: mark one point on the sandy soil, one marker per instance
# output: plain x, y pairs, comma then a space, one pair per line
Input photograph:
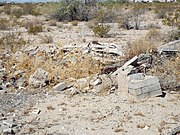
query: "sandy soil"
102, 115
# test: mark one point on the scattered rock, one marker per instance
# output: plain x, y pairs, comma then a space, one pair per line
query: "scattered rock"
36, 111
9, 123
50, 49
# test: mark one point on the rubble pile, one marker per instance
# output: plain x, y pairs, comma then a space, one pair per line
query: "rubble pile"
66, 69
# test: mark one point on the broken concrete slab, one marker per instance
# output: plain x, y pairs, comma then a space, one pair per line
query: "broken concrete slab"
60, 86
131, 62
47, 48
171, 47
39, 78
103, 49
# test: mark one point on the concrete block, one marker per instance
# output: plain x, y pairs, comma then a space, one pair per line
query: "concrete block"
150, 80
138, 76
135, 92
143, 96
155, 93
150, 88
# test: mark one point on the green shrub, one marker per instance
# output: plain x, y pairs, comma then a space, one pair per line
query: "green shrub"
101, 30
71, 10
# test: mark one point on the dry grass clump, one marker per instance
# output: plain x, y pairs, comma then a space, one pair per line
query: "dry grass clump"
138, 47
153, 35
79, 66
11, 41
45, 38
17, 11
52, 22
33, 26
74, 23
4, 24
173, 65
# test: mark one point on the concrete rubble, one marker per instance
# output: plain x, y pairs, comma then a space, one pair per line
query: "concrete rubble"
50, 49
137, 84
8, 127
60, 86
169, 48
104, 49
39, 78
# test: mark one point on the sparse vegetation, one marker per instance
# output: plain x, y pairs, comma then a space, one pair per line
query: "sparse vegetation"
11, 41
101, 30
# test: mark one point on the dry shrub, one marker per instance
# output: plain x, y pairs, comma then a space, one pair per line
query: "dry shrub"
79, 66
33, 26
52, 23
153, 35
11, 41
74, 23
101, 30
17, 11
46, 38
4, 24
138, 47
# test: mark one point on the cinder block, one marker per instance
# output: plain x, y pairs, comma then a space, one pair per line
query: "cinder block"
157, 92
135, 92
143, 96
138, 76
135, 84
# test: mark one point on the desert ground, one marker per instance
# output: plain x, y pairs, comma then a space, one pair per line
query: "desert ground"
57, 75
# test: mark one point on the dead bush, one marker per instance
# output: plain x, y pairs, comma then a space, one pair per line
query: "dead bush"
153, 35
52, 23
74, 23
138, 47
101, 30
33, 26
125, 21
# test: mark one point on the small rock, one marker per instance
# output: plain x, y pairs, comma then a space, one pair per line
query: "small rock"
74, 91
146, 127
60, 86
9, 123
8, 131
37, 111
